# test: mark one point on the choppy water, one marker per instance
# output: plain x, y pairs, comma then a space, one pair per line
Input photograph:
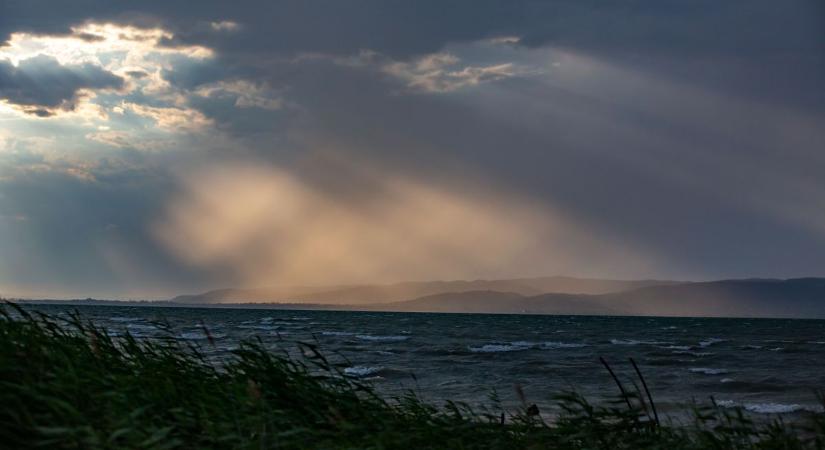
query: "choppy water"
763, 365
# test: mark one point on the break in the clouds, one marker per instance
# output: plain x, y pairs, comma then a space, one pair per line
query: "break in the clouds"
148, 148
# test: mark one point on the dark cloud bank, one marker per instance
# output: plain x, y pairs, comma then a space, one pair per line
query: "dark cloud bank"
41, 83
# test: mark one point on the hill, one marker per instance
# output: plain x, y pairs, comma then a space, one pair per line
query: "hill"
397, 292
797, 298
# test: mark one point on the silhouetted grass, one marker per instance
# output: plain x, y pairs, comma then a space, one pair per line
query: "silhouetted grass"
65, 383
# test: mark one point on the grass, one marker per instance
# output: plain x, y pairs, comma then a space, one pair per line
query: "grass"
65, 383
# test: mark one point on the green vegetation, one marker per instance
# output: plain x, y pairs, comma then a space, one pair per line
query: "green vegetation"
68, 384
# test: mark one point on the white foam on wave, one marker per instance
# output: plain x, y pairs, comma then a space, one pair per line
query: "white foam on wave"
362, 371
258, 327
138, 329
124, 319
636, 342
727, 380
711, 341
691, 353
708, 371
769, 407
336, 333
524, 345
192, 335
683, 348
199, 335
496, 348
370, 337
552, 345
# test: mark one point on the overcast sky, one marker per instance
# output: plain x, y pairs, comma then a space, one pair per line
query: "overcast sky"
158, 147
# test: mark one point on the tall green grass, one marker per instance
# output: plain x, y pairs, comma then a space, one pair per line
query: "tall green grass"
65, 383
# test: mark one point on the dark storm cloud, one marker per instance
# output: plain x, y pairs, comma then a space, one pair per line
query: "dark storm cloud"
748, 46
42, 82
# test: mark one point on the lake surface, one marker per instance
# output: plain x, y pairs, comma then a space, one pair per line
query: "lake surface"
766, 366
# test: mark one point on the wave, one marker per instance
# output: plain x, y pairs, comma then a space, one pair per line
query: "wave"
769, 407
258, 327
362, 371
551, 345
690, 353
141, 330
336, 333
124, 319
370, 337
708, 371
711, 341
524, 345
636, 342
199, 335
682, 348
496, 348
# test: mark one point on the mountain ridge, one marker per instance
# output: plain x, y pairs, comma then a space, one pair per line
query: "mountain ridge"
396, 292
788, 298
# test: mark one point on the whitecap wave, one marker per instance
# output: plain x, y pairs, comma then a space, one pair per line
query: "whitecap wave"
124, 319
524, 345
496, 348
336, 333
258, 327
362, 371
370, 337
711, 341
692, 353
636, 342
708, 371
199, 335
552, 345
683, 348
769, 407
141, 330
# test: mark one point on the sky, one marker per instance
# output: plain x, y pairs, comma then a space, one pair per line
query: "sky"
154, 148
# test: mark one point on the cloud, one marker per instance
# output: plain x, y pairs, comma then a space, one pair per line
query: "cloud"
441, 72
171, 119
245, 94
41, 85
225, 25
